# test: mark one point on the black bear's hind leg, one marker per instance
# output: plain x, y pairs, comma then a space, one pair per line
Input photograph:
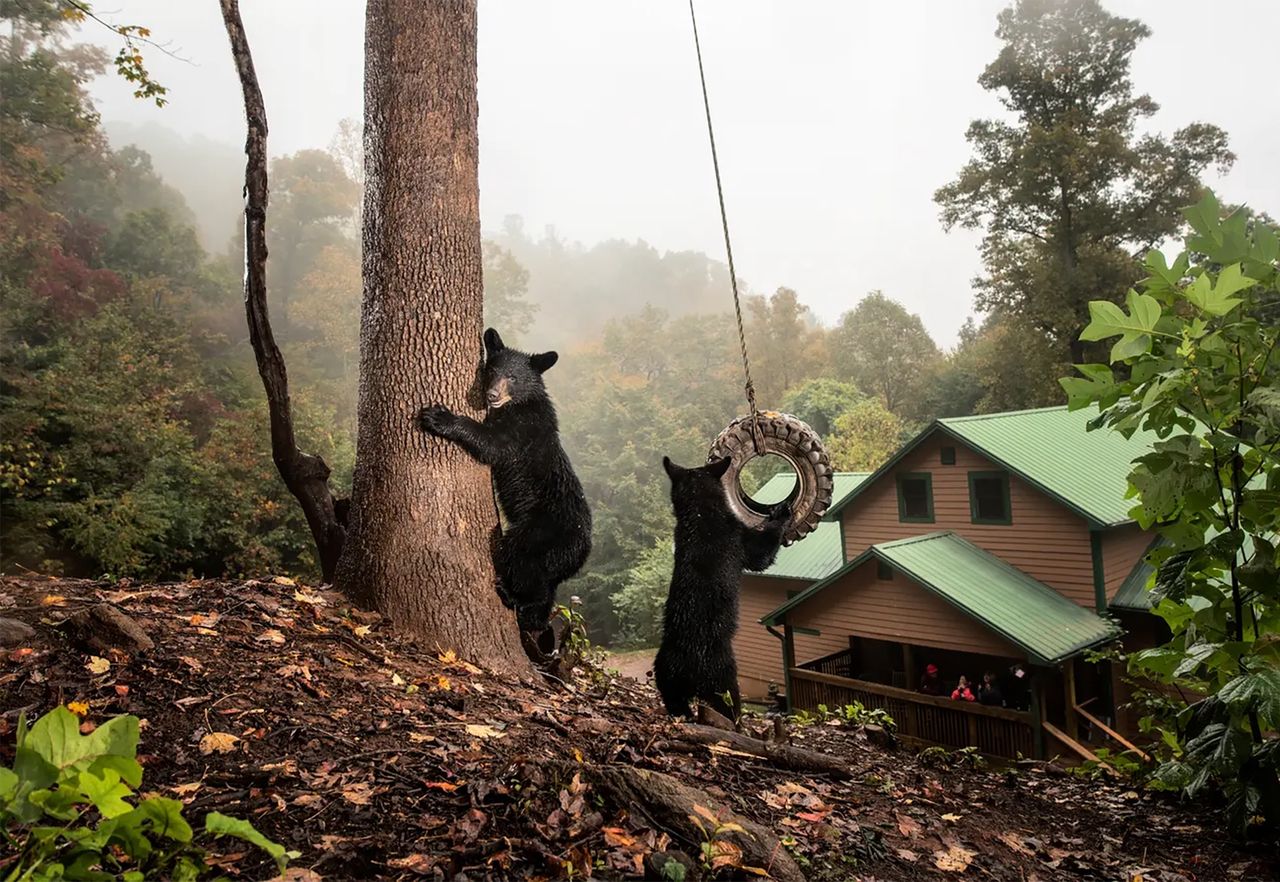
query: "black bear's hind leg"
533, 616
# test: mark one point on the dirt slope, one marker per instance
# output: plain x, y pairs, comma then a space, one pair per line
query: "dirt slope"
379, 758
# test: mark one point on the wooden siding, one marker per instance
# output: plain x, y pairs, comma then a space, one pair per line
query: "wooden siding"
1122, 548
1046, 540
759, 653
899, 610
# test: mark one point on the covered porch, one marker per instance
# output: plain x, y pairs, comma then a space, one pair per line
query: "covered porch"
931, 719
938, 599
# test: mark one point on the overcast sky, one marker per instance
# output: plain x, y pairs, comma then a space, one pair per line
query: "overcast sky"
835, 121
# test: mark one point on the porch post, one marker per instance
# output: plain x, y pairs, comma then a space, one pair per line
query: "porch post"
1069, 689
1037, 711
788, 662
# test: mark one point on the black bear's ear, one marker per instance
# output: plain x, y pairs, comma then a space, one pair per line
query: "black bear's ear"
543, 361
671, 468
717, 467
493, 343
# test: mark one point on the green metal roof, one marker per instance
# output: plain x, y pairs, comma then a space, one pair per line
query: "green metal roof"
1133, 593
1052, 449
819, 554
1027, 613
814, 557
780, 485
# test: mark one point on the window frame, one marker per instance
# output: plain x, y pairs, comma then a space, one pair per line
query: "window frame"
903, 517
974, 516
942, 457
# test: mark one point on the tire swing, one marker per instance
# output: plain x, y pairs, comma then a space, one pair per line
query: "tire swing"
765, 433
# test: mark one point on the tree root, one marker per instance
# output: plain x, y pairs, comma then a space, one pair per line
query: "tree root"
671, 806
784, 756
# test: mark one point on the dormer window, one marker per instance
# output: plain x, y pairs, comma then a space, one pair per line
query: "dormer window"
915, 498
948, 456
989, 498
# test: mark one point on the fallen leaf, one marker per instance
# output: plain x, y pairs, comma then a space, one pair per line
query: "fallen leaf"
908, 826
415, 863
419, 737
397, 680
313, 600
705, 813
480, 731
907, 854
186, 789
79, 708
284, 580
951, 818
446, 786
190, 662
98, 665
53, 600
1014, 841
122, 690
616, 837
301, 874
955, 859
726, 855
271, 635
358, 793
308, 799
218, 742
360, 630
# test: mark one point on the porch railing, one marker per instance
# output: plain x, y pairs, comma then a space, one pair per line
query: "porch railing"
995, 731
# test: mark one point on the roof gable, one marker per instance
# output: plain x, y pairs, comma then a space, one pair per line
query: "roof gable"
1052, 450
1025, 612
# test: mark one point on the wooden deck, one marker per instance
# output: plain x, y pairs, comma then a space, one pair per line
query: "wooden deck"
995, 731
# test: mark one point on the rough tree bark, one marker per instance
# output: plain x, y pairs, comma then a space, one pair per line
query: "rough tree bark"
422, 512
306, 475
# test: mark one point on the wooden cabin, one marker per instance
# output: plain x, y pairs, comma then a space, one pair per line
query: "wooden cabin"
997, 544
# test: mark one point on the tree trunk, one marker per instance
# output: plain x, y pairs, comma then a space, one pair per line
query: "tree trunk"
422, 515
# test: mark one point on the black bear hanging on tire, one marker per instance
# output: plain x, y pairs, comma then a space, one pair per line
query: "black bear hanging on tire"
791, 438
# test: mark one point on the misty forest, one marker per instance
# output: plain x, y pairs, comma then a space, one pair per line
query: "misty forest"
248, 619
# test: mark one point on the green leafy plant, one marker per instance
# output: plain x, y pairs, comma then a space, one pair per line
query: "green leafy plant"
857, 714
69, 810
1196, 365
1124, 764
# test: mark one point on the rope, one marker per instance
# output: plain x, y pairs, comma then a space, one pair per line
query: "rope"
749, 388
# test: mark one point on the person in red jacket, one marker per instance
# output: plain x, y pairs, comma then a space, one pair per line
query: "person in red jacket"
962, 691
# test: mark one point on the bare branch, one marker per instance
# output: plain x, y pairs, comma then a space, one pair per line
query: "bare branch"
306, 475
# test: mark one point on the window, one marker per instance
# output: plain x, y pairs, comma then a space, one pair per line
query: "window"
915, 498
884, 572
989, 498
948, 456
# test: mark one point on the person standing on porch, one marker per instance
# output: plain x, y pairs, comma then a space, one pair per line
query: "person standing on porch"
989, 691
929, 683
962, 691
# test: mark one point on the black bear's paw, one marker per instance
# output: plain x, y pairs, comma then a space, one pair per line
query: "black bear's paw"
508, 600
780, 513
434, 419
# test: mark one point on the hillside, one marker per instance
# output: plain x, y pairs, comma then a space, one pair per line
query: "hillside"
377, 757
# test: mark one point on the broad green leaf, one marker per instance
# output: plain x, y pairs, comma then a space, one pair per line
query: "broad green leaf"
1161, 272
8, 785
1216, 298
165, 816
1266, 244
1205, 216
221, 825
107, 793
56, 740
1258, 691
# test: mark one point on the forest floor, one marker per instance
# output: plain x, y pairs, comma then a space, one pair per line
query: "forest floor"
376, 757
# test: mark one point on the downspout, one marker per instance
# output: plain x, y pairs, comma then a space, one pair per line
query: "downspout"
1107, 695
786, 669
